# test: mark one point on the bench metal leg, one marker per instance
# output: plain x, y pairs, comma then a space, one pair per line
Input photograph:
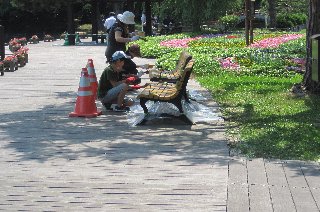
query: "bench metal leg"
177, 103
143, 105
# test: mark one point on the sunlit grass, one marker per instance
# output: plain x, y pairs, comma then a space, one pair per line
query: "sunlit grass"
266, 117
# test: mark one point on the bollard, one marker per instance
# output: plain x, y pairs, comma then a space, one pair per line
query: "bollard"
2, 49
66, 40
78, 38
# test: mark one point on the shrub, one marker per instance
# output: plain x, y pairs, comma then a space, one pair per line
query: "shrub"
288, 20
85, 28
229, 22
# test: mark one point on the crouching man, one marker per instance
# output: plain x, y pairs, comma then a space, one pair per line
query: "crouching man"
112, 88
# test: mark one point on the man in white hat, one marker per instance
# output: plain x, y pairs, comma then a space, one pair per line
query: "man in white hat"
119, 34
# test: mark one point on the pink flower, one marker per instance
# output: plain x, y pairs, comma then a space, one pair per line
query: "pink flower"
183, 43
275, 42
299, 61
229, 63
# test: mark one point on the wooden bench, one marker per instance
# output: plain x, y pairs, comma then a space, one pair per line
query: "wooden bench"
166, 92
96, 37
174, 75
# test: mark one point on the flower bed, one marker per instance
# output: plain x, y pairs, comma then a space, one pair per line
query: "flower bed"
14, 45
23, 52
48, 38
10, 63
34, 39
275, 42
23, 41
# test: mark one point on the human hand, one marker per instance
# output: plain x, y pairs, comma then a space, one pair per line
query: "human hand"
134, 38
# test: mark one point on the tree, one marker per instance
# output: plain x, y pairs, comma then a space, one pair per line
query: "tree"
313, 27
272, 13
274, 7
195, 13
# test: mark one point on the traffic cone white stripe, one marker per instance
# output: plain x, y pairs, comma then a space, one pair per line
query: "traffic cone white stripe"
85, 104
85, 93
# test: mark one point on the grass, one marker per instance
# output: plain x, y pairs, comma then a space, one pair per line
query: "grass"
266, 117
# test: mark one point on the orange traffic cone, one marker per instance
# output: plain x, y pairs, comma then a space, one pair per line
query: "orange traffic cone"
85, 105
93, 77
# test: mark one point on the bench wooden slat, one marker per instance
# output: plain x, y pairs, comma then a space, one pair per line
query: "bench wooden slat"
164, 92
174, 75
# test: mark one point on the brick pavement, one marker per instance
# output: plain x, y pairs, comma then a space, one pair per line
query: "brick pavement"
50, 162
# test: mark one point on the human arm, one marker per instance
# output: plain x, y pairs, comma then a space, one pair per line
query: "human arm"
116, 83
121, 39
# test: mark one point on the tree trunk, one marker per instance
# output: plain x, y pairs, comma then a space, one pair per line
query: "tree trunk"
94, 20
2, 47
147, 6
71, 26
129, 6
272, 13
313, 27
247, 21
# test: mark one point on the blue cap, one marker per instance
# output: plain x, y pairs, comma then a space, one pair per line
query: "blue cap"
118, 55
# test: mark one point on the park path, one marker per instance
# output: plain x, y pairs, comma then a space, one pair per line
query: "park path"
50, 162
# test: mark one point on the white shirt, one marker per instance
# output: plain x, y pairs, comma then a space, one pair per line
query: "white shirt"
109, 22
143, 18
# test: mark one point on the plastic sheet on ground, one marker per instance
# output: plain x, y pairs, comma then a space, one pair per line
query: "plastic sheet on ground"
197, 112
193, 110
195, 95
156, 109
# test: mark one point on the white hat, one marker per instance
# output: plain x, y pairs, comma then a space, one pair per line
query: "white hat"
127, 17
118, 55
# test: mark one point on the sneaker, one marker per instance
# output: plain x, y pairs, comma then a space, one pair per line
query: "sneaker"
121, 109
107, 106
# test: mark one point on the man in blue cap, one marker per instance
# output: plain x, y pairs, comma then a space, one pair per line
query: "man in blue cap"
112, 88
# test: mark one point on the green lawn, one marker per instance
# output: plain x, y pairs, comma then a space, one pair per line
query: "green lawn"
252, 87
267, 119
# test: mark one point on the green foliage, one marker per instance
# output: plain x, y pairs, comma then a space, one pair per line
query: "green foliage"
192, 12
287, 20
267, 119
286, 6
150, 46
85, 28
293, 49
271, 122
5, 6
229, 22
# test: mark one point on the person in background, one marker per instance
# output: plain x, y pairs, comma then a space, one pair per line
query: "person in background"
109, 23
130, 67
143, 21
119, 34
112, 88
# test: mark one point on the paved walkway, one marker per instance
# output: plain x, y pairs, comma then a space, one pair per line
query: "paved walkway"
50, 162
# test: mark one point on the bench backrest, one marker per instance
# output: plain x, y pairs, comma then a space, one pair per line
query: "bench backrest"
185, 76
183, 60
